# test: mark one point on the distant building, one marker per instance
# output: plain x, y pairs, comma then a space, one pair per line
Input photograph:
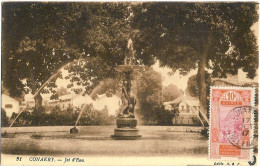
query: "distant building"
51, 103
188, 108
10, 105
66, 101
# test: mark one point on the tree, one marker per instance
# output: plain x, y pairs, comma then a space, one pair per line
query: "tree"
41, 37
149, 95
34, 44
193, 87
186, 36
4, 119
39, 117
105, 42
25, 119
13, 116
92, 117
171, 92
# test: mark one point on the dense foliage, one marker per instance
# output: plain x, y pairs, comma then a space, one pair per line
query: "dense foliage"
4, 118
171, 92
149, 95
57, 117
186, 36
38, 38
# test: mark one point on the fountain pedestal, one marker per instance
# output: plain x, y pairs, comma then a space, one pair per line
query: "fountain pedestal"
126, 129
126, 122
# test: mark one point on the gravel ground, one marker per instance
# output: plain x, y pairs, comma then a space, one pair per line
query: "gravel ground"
96, 140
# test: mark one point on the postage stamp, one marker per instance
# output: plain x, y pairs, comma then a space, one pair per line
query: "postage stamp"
231, 123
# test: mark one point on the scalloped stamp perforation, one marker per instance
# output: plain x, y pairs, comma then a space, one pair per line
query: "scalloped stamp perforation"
231, 127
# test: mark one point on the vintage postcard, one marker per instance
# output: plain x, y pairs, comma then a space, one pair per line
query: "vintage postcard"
231, 123
129, 83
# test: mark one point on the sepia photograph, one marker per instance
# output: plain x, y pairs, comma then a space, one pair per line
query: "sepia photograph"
129, 83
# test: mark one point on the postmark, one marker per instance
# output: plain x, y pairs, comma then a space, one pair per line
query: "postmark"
231, 123
241, 118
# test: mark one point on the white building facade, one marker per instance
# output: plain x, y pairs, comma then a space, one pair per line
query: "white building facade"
10, 105
188, 108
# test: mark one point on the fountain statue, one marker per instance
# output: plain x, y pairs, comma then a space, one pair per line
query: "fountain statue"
126, 121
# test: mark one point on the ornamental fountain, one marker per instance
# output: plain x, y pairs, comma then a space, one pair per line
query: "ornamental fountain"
126, 121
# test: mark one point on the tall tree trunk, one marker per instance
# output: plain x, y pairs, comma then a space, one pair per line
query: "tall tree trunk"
202, 79
38, 101
38, 98
202, 73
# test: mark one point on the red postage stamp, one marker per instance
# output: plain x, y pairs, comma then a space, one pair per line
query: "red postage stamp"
231, 123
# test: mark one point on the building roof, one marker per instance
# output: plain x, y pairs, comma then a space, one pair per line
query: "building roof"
5, 97
192, 101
